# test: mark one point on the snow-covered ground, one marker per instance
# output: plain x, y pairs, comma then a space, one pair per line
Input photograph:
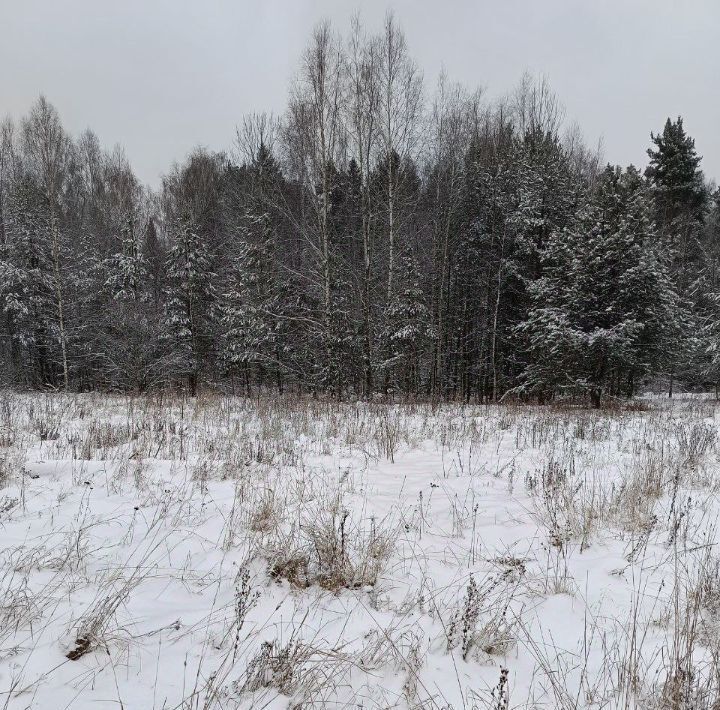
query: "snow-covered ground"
232, 553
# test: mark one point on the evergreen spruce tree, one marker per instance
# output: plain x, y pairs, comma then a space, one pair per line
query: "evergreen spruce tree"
248, 303
127, 270
709, 318
604, 311
191, 304
26, 284
408, 328
128, 343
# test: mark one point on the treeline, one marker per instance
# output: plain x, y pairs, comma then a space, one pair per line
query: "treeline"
377, 239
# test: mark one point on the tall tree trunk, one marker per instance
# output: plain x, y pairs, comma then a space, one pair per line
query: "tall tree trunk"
367, 305
391, 232
59, 296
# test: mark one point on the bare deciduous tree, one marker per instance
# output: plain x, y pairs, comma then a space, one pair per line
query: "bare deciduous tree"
400, 112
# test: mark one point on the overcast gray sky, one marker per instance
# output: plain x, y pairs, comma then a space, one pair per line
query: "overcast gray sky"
162, 76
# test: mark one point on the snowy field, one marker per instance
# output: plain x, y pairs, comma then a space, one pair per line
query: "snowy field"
231, 553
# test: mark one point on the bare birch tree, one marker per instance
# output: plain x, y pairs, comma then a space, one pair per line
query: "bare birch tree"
400, 111
362, 106
315, 137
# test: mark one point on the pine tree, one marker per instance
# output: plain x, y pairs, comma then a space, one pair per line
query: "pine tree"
678, 188
680, 201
